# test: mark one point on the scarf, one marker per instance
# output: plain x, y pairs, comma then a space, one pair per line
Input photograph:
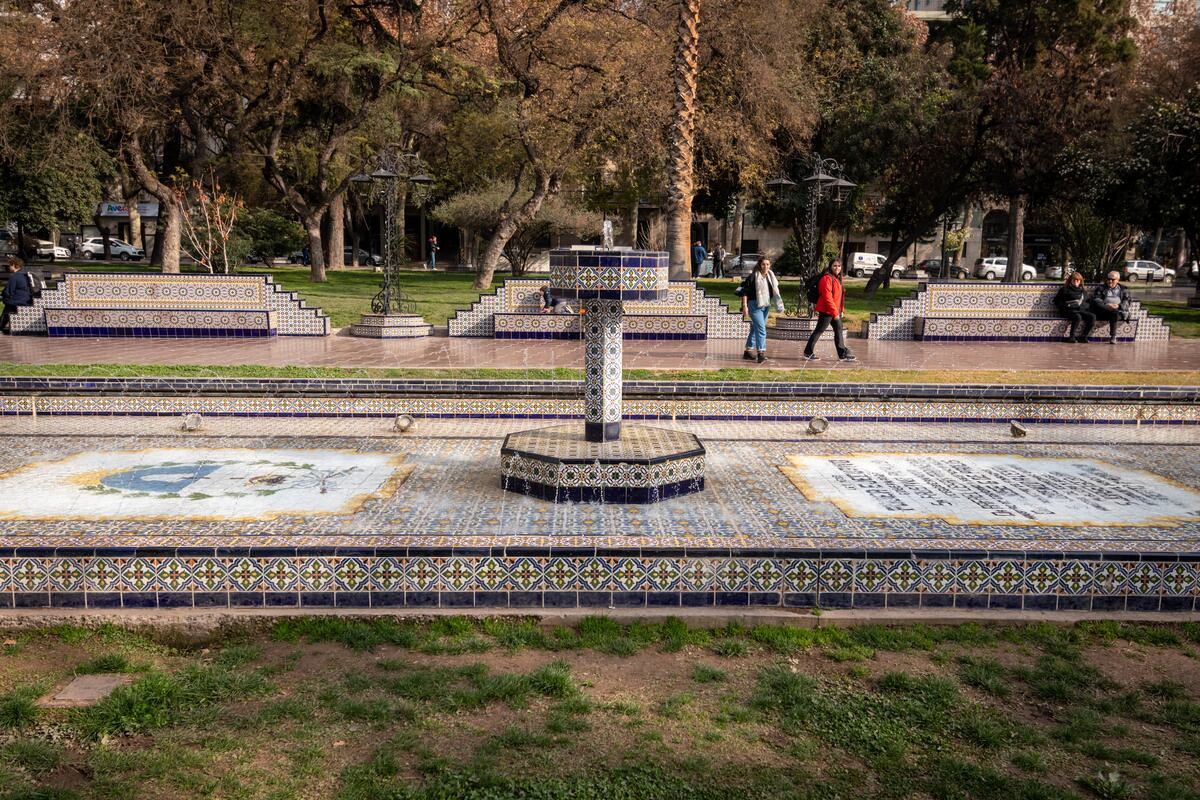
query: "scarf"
765, 287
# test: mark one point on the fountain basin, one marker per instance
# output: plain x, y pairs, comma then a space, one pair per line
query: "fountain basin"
560, 464
593, 273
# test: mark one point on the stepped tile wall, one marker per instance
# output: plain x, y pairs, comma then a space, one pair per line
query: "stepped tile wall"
175, 292
523, 296
965, 299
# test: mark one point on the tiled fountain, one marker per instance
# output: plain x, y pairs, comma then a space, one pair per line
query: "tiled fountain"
600, 462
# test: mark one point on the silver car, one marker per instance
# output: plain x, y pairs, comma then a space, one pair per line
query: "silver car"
93, 247
1148, 271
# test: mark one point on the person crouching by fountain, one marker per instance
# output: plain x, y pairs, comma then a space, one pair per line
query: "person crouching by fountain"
759, 289
1071, 302
831, 305
552, 304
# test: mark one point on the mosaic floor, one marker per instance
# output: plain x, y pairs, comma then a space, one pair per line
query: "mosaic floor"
112, 512
303, 484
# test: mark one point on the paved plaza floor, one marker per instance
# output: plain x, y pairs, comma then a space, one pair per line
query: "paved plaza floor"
441, 352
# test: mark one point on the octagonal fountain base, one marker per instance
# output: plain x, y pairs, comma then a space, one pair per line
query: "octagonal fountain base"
559, 464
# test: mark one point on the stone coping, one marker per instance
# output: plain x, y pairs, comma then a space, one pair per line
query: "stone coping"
430, 387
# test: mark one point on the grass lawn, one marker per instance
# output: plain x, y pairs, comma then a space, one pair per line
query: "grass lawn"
330, 707
731, 374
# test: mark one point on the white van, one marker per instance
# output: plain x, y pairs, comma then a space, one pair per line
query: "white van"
864, 264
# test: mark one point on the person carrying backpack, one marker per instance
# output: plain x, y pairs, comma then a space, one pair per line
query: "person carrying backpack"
758, 291
18, 291
830, 306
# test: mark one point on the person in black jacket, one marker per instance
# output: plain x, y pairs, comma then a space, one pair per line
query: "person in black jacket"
1110, 302
18, 291
1071, 302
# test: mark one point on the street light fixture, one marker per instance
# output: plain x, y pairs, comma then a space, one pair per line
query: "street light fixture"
390, 299
823, 181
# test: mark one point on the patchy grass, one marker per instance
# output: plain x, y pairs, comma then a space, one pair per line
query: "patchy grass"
510, 708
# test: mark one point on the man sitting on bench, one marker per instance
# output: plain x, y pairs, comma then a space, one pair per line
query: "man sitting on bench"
1111, 302
551, 305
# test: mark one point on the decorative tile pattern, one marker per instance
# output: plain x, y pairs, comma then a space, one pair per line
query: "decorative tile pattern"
394, 579
391, 326
795, 329
567, 326
160, 322
1003, 329
1040, 408
1002, 304
644, 318
585, 273
148, 292
602, 369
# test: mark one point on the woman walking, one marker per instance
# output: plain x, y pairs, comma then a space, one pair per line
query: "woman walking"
758, 290
831, 305
1072, 304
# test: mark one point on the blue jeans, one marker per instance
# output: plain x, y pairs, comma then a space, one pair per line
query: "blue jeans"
757, 340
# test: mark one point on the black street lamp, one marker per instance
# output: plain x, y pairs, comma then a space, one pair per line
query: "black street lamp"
391, 299
824, 181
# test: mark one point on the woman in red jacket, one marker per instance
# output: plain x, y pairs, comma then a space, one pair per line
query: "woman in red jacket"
831, 304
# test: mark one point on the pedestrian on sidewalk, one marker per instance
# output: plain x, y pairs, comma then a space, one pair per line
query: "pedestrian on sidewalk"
831, 306
698, 256
1071, 302
18, 291
719, 254
1110, 302
758, 291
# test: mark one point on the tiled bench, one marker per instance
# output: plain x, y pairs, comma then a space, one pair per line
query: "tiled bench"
160, 322
1009, 329
156, 304
667, 327
970, 311
513, 311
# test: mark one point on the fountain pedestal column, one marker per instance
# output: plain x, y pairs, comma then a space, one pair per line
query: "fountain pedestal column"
564, 463
603, 348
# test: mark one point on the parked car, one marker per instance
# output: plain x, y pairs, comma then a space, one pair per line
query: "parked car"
93, 247
48, 249
365, 258
932, 267
863, 264
8, 242
737, 266
994, 268
1194, 270
1148, 271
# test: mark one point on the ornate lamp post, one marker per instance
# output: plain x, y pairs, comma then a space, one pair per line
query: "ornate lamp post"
823, 182
394, 313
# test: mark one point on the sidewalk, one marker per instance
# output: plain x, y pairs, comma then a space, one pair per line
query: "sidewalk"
441, 352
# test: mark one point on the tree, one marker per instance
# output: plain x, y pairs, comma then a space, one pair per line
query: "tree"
480, 211
681, 184
318, 87
1045, 72
553, 70
270, 233
50, 180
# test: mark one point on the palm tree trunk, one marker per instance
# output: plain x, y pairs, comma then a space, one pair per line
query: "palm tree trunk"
683, 139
